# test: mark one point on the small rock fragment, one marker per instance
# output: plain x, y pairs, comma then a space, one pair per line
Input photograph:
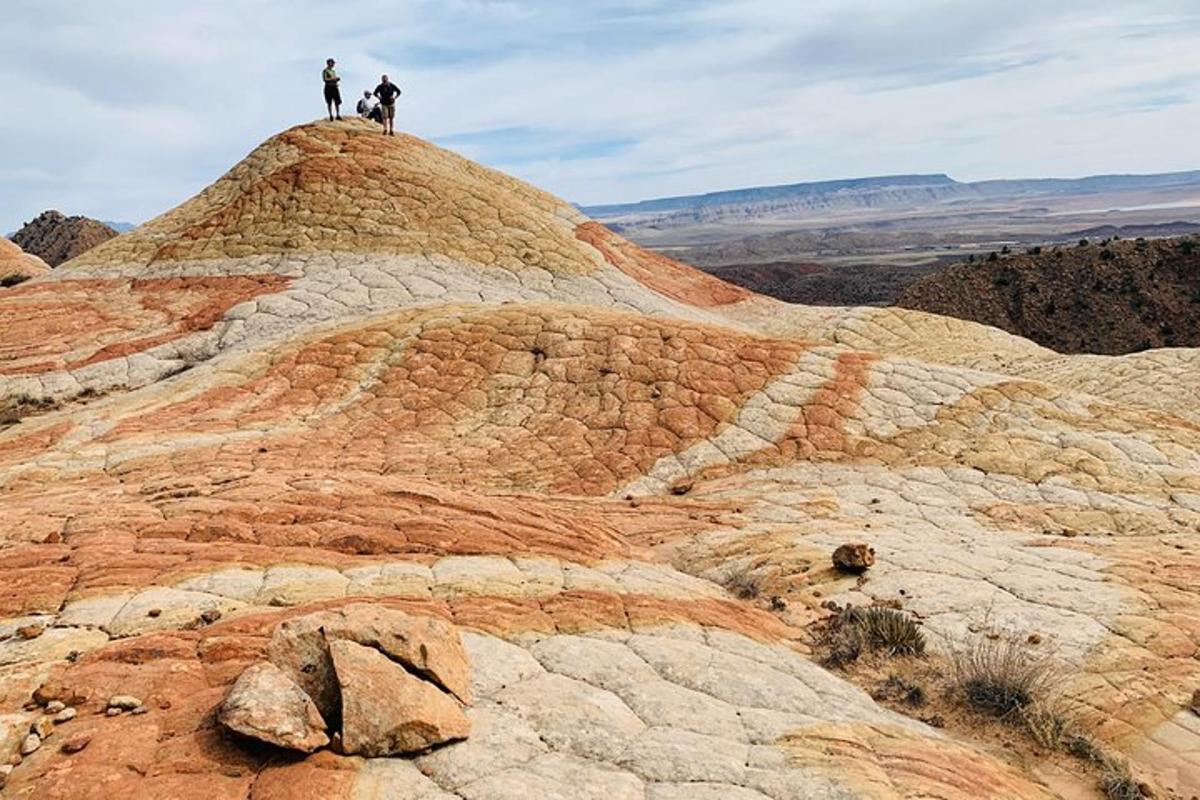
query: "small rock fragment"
55, 706
854, 558
66, 715
138, 711
1035, 638
124, 702
30, 744
209, 616
43, 727
264, 703
75, 744
31, 631
113, 712
5, 771
154, 612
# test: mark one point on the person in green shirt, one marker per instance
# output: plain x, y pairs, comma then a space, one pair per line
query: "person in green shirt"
333, 96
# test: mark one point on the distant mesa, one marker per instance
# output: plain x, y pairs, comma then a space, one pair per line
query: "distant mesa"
878, 193
56, 238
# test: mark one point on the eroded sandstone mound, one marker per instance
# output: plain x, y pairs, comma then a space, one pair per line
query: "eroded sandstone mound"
362, 370
57, 238
17, 266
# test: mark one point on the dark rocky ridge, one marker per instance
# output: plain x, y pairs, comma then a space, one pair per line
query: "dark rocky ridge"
55, 238
1108, 297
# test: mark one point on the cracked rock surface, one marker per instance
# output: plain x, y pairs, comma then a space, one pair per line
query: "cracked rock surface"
362, 372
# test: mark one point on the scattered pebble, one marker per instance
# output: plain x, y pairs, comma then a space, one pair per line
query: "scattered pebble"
139, 710
112, 712
31, 631
55, 706
66, 715
154, 612
210, 616
124, 702
1035, 638
75, 744
31, 744
43, 727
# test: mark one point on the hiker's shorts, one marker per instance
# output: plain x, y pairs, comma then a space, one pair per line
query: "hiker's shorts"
389, 111
332, 95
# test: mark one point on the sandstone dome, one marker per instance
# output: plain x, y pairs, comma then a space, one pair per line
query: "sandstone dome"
14, 261
359, 367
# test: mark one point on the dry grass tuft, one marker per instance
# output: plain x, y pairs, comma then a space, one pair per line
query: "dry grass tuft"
1002, 678
853, 630
890, 630
1118, 783
743, 583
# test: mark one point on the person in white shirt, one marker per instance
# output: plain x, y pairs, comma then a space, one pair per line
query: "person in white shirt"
368, 108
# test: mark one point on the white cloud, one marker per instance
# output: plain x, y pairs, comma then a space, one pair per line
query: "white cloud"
130, 106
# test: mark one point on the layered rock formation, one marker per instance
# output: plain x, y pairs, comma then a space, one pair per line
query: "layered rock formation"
362, 368
56, 238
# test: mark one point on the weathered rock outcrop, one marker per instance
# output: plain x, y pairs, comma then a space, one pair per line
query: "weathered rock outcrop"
359, 369
57, 238
264, 703
386, 710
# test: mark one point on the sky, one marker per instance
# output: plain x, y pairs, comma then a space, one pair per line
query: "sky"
121, 109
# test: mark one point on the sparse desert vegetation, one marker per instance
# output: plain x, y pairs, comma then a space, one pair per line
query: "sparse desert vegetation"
853, 630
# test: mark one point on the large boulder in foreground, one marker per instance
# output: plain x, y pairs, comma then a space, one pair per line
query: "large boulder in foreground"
267, 705
390, 682
426, 646
386, 710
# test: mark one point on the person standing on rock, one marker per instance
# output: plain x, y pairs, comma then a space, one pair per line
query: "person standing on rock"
387, 92
333, 95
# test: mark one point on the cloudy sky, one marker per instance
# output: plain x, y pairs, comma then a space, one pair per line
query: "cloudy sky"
120, 109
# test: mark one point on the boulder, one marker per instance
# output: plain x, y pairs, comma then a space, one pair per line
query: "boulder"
266, 704
428, 647
854, 558
386, 710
